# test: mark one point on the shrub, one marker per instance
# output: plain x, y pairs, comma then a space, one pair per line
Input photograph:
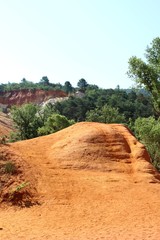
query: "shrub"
9, 168
147, 130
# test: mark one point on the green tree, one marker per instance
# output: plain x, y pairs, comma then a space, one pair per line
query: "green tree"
44, 80
106, 114
26, 120
54, 123
25, 84
75, 108
47, 111
68, 87
82, 84
147, 73
24, 81
147, 130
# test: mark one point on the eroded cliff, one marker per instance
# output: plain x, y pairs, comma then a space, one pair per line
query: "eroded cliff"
19, 97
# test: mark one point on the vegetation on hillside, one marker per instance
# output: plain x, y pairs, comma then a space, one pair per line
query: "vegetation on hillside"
147, 75
43, 84
95, 104
138, 108
30, 121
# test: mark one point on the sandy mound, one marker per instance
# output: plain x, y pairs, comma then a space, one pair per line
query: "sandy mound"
16, 185
92, 181
109, 148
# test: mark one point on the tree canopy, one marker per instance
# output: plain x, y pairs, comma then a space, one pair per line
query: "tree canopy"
148, 73
26, 121
30, 121
82, 84
106, 114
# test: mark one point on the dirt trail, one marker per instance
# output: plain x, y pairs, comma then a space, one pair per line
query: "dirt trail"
94, 181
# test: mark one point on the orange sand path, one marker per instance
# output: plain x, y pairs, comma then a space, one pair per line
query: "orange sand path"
93, 181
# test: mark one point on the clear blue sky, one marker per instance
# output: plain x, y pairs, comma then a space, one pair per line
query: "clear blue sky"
71, 39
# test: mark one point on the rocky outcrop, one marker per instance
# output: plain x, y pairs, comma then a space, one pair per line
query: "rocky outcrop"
6, 125
19, 97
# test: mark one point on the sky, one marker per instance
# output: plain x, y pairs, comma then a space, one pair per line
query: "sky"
67, 40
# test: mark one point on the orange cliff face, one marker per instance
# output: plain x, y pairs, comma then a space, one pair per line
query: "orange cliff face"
19, 97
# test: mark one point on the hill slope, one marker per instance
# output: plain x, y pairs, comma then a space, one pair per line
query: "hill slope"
92, 180
6, 125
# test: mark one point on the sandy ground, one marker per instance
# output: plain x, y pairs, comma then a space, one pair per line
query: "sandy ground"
93, 181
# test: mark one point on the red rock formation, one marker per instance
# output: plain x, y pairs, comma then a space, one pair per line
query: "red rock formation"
19, 97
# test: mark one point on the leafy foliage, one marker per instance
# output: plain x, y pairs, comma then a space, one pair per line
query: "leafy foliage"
74, 108
132, 104
147, 130
147, 73
54, 123
106, 114
82, 84
30, 121
45, 81
44, 84
27, 121
68, 87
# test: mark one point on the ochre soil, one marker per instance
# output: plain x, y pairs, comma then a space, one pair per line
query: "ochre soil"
88, 181
6, 125
23, 96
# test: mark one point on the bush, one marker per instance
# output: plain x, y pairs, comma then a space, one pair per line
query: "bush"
147, 130
9, 168
54, 123
106, 114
